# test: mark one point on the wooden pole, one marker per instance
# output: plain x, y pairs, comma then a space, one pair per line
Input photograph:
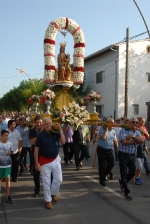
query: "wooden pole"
126, 74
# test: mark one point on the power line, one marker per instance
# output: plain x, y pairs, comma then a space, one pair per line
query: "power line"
124, 40
138, 69
20, 75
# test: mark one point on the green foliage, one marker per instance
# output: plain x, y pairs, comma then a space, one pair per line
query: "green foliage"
17, 98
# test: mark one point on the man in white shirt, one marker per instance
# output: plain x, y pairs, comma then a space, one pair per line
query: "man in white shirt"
14, 137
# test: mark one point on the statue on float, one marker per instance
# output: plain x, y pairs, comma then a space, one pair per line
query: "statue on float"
64, 70
62, 75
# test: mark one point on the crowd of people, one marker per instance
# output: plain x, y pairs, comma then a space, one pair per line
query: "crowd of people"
37, 149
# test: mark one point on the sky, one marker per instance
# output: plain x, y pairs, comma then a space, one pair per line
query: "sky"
23, 24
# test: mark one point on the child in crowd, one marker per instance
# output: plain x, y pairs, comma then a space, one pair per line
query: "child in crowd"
5, 162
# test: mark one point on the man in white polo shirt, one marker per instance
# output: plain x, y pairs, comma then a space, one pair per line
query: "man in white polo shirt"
14, 137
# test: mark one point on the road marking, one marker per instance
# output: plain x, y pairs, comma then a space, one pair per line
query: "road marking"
107, 188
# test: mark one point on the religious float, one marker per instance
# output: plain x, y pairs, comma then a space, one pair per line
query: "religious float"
66, 76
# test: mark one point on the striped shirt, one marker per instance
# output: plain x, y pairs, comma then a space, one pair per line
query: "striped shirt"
126, 148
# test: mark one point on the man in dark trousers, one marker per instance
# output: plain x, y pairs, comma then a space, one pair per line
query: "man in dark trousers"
107, 138
128, 142
32, 136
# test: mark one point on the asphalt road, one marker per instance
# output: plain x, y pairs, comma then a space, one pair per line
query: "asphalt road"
81, 199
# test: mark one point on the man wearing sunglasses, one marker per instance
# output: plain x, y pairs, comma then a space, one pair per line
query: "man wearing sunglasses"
128, 141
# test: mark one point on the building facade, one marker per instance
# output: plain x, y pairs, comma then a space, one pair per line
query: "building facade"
105, 73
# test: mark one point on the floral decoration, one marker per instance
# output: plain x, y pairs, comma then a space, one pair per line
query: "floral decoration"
34, 99
49, 48
74, 115
47, 95
93, 96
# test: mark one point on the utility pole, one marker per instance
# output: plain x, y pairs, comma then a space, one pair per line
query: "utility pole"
126, 74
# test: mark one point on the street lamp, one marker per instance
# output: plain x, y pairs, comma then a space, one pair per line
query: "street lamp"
148, 31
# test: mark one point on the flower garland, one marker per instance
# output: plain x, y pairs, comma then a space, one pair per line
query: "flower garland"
49, 48
74, 115
93, 96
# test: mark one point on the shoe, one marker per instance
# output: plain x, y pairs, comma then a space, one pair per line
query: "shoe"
111, 176
9, 200
78, 167
106, 178
36, 194
14, 180
148, 172
102, 183
26, 167
54, 197
121, 186
138, 181
48, 205
128, 197
71, 161
81, 164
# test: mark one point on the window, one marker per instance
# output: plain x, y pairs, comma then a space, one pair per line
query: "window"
148, 49
99, 109
148, 74
135, 109
100, 77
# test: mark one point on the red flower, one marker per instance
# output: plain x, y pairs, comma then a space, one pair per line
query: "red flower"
30, 101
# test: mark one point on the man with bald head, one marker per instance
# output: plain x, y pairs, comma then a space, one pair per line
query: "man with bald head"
107, 138
47, 147
128, 142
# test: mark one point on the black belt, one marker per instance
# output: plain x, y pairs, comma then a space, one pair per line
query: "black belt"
129, 154
104, 148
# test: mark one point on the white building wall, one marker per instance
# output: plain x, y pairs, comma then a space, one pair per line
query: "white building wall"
139, 87
112, 88
107, 64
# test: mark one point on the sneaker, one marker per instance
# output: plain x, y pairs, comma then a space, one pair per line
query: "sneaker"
36, 195
106, 178
128, 197
111, 176
138, 181
121, 186
9, 200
